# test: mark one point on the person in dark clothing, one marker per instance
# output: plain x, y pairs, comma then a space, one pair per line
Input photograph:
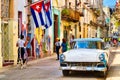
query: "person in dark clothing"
64, 45
57, 44
21, 48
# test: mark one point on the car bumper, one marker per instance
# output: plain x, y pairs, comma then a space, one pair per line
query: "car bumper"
78, 68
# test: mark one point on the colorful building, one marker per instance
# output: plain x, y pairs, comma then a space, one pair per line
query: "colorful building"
45, 36
9, 32
93, 20
54, 30
70, 19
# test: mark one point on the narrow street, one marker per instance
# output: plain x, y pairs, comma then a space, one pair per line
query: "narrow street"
45, 69
114, 72
48, 69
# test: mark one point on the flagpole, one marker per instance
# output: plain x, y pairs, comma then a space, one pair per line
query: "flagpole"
33, 3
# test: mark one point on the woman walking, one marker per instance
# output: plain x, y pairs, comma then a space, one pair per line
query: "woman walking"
64, 45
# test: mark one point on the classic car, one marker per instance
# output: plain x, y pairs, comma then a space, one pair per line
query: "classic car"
87, 54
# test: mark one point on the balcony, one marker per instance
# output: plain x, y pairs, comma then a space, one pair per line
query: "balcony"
70, 15
96, 11
95, 24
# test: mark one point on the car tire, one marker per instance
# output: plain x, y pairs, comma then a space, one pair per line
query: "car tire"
104, 74
65, 72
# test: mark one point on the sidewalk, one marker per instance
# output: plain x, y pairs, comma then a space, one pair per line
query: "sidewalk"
114, 49
114, 72
31, 62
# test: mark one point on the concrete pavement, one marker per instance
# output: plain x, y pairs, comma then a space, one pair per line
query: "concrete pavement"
31, 62
114, 72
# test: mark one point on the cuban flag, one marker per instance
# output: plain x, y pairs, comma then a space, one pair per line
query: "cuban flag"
38, 13
48, 12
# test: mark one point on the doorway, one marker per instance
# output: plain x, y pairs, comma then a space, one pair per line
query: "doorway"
55, 29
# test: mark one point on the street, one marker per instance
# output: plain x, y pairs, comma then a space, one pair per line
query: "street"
48, 69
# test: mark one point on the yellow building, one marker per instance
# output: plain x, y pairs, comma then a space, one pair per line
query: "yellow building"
70, 19
92, 22
8, 33
54, 31
0, 39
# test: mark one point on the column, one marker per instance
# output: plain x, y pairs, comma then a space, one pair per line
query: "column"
1, 59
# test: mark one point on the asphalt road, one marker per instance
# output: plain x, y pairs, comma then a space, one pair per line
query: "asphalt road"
46, 69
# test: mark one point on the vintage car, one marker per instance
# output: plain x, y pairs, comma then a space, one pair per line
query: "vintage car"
87, 54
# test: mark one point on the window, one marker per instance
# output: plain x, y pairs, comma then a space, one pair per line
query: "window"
5, 4
79, 26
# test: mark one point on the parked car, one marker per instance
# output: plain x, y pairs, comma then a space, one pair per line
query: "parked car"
87, 54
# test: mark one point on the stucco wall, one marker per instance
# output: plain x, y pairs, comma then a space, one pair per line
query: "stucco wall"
21, 4
0, 38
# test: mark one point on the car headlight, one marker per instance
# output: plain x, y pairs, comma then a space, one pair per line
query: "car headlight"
102, 57
62, 57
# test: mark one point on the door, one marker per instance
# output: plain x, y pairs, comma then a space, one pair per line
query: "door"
7, 44
55, 29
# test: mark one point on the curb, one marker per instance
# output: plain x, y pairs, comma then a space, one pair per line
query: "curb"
40, 59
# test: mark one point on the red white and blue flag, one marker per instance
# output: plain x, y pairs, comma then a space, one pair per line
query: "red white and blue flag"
48, 12
38, 13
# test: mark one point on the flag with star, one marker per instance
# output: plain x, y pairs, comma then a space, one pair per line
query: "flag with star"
48, 12
38, 13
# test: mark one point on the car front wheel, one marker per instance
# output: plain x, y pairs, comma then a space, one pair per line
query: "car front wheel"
65, 72
104, 74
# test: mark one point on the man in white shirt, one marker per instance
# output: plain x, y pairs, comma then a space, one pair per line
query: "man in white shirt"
21, 50
57, 44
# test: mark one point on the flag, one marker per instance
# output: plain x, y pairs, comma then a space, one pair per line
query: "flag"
48, 12
38, 13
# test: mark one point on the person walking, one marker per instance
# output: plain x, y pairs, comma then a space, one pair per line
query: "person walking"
28, 46
71, 41
64, 45
18, 59
57, 44
21, 44
37, 49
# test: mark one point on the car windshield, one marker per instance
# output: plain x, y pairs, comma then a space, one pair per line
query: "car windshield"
89, 45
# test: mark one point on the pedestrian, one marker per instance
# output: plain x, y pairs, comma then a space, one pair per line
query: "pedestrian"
57, 44
71, 41
28, 46
17, 45
37, 49
48, 45
115, 42
64, 45
21, 45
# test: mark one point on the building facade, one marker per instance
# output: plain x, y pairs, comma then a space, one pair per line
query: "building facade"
93, 21
9, 32
70, 19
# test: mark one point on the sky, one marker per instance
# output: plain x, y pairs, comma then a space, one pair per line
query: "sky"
109, 3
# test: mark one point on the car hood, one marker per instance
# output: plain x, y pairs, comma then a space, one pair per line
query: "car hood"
83, 55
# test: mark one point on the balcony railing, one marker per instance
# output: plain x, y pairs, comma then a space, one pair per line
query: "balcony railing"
92, 23
71, 15
96, 11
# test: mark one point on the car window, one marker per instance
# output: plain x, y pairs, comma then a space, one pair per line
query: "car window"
89, 44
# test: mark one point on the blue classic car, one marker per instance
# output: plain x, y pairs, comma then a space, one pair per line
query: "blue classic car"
87, 54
